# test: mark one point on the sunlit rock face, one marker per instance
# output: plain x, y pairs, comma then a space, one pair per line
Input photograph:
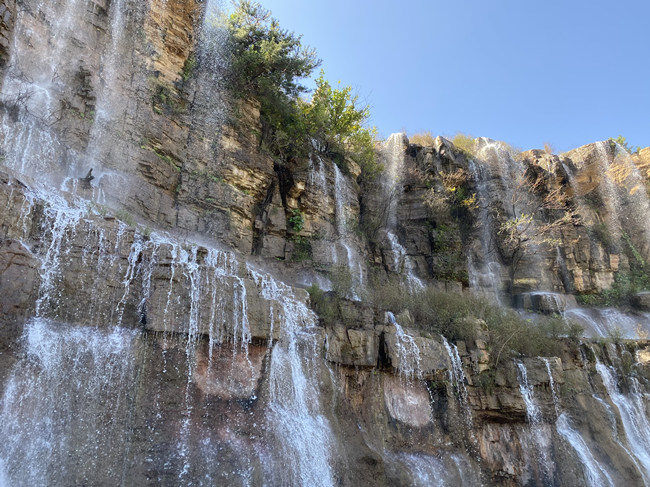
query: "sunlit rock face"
407, 402
229, 374
154, 326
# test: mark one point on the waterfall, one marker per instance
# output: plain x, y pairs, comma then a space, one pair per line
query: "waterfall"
318, 175
631, 409
342, 198
65, 415
210, 108
457, 378
393, 152
551, 382
534, 416
408, 352
595, 474
61, 220
442, 470
636, 218
426, 471
488, 275
109, 106
30, 88
602, 322
303, 433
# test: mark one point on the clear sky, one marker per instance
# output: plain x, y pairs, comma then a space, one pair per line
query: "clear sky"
566, 72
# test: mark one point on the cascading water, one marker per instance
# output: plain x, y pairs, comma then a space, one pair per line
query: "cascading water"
108, 107
394, 153
304, 434
65, 414
152, 359
626, 173
611, 175
551, 383
604, 322
341, 195
457, 378
631, 408
484, 275
29, 92
432, 471
595, 474
535, 420
408, 352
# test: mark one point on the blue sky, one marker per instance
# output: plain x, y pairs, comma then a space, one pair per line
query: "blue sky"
528, 71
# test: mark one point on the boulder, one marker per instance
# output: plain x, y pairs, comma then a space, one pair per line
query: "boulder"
642, 301
358, 348
424, 356
407, 401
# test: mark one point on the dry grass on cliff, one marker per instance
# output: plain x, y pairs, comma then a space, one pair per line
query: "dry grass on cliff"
464, 143
467, 317
422, 138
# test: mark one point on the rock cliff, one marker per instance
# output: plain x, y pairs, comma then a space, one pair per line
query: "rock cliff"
154, 260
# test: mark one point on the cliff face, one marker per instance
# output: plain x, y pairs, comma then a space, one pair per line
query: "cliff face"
162, 294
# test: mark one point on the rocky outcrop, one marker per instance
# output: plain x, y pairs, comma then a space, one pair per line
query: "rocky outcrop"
642, 301
153, 260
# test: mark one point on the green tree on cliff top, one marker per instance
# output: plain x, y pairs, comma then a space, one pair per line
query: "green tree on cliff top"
267, 63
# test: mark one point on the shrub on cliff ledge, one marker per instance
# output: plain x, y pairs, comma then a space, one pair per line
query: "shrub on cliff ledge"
266, 63
335, 119
469, 317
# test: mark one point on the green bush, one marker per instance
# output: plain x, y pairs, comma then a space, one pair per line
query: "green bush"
336, 119
622, 141
464, 143
266, 64
302, 249
324, 304
296, 221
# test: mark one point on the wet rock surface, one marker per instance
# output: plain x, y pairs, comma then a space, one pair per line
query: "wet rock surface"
165, 297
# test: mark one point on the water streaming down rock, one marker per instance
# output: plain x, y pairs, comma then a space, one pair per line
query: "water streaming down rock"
303, 432
632, 412
535, 420
341, 195
211, 59
109, 106
486, 273
393, 152
457, 378
29, 92
224, 381
551, 383
595, 474
408, 352
431, 471
318, 175
60, 219
65, 409
605, 322
624, 170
